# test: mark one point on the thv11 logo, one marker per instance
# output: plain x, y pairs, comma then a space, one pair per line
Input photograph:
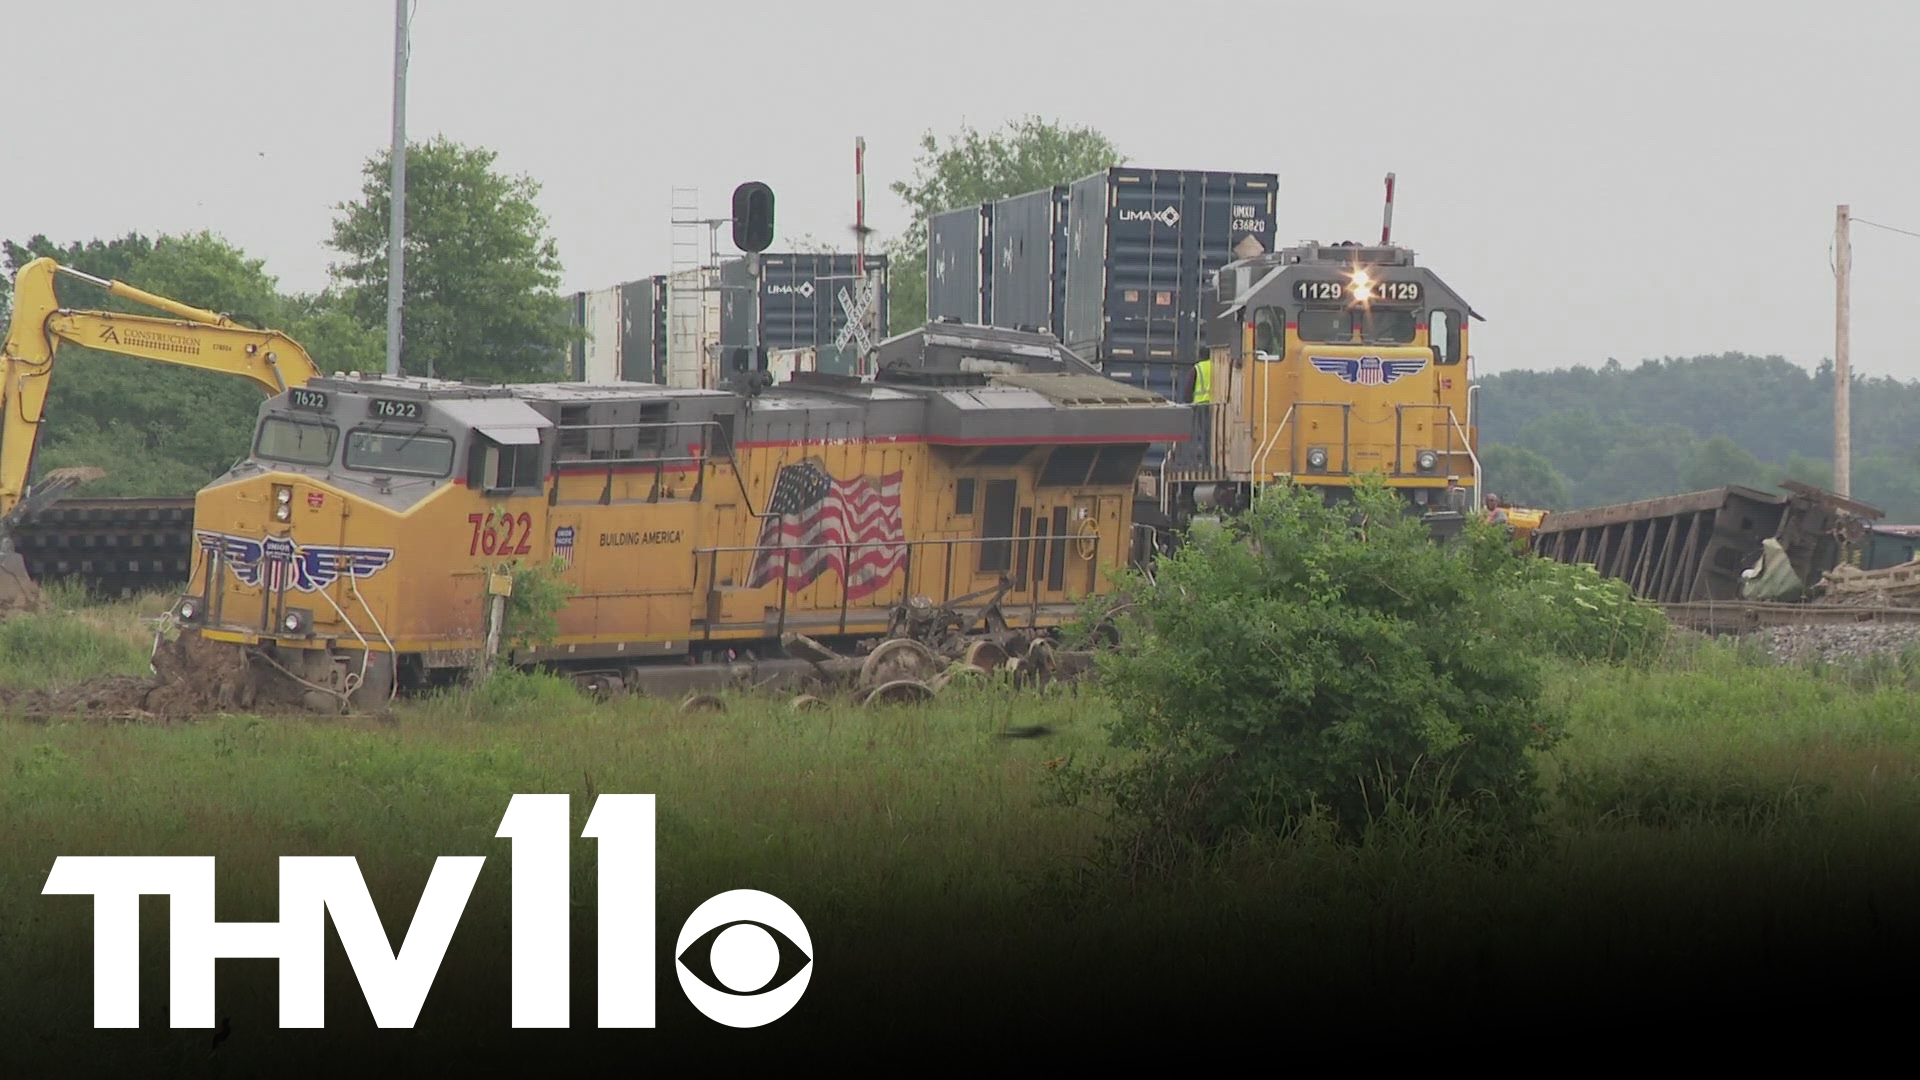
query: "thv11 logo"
746, 939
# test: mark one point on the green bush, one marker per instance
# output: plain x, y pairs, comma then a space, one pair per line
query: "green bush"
1571, 611
1318, 659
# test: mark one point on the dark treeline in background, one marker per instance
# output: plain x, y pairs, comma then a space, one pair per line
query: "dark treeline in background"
1579, 437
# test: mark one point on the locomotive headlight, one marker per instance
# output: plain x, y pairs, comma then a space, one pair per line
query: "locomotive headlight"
283, 503
283, 512
1317, 458
1427, 459
188, 610
297, 621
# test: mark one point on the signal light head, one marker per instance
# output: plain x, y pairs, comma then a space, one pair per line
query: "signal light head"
752, 217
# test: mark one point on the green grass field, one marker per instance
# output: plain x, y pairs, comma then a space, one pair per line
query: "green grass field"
1696, 809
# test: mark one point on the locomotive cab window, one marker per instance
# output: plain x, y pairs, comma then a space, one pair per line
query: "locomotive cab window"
1387, 327
494, 466
1443, 331
296, 441
1327, 326
413, 453
1269, 334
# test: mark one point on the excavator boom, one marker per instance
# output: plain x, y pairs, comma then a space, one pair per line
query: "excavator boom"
190, 337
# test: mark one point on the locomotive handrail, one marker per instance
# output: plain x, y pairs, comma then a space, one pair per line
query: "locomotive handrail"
1400, 427
1293, 447
1266, 448
1471, 456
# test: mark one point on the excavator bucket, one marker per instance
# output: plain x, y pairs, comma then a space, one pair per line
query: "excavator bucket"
18, 593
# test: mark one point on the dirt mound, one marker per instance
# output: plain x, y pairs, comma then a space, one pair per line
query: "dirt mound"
194, 677
110, 697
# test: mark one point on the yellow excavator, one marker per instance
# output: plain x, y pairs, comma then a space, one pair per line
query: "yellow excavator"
193, 337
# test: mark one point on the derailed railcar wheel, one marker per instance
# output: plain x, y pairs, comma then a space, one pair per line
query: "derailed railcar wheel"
986, 656
899, 692
897, 659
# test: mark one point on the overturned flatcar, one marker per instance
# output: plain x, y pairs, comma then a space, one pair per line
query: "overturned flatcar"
354, 548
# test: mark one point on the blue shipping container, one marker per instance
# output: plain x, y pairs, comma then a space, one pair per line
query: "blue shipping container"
1139, 244
960, 265
803, 303
1029, 260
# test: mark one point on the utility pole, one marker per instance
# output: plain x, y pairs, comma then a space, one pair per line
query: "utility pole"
396, 228
1842, 378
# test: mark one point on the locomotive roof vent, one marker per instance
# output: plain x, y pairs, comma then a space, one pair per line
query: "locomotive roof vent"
1312, 251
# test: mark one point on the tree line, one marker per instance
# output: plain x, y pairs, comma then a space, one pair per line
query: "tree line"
1583, 436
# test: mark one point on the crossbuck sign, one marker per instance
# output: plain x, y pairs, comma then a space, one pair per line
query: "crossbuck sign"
856, 306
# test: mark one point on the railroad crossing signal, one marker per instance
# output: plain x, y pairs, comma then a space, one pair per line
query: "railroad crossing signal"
856, 306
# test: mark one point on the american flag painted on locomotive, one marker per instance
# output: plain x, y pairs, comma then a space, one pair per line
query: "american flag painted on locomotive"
280, 562
858, 519
1367, 370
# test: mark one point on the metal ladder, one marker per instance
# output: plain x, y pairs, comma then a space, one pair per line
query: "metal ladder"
686, 296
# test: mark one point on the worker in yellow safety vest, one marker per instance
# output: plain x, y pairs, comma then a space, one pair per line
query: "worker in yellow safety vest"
1202, 400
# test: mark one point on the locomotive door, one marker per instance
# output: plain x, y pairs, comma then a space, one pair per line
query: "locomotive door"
1040, 564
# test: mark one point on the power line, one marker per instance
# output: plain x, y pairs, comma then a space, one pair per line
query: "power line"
1889, 228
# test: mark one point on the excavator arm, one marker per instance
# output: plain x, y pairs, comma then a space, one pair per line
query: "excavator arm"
193, 337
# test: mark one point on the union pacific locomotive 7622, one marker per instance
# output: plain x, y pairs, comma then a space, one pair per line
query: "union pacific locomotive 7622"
354, 548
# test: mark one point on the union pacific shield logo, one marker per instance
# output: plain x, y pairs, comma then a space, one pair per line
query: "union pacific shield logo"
1367, 370
285, 563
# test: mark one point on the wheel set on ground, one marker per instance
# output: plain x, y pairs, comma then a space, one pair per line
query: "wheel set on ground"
906, 671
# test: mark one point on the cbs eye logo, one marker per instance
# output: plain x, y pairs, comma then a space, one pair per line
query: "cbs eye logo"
744, 958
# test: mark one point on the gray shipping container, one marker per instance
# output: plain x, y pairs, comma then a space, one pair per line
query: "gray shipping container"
803, 304
643, 330
626, 337
1140, 242
1029, 260
960, 264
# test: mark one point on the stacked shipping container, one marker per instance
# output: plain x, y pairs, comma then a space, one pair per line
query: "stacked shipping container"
626, 339
1028, 279
803, 302
960, 265
1114, 264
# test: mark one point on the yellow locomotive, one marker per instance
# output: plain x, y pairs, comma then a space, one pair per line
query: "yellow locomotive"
1329, 362
353, 549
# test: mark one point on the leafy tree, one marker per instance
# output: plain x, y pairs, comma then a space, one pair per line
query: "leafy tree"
482, 274
1720, 461
1523, 478
973, 168
1321, 660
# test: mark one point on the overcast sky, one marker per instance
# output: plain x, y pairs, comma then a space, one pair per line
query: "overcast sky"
1621, 180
